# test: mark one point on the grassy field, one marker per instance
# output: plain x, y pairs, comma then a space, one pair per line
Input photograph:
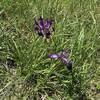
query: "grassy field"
26, 72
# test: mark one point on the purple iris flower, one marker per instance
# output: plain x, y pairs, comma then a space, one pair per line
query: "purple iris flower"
44, 27
63, 56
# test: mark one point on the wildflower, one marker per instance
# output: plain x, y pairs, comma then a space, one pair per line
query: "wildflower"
63, 56
44, 28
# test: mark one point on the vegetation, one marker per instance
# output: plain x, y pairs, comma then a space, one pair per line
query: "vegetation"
26, 72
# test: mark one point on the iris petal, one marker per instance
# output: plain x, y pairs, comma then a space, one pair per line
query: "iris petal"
48, 34
40, 34
41, 23
69, 65
64, 60
48, 24
53, 56
67, 62
64, 54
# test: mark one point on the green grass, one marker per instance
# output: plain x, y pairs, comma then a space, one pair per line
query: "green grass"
35, 76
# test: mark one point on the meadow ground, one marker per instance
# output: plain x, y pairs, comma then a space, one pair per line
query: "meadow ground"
26, 72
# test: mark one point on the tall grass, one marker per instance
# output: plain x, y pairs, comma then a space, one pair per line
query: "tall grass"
34, 75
